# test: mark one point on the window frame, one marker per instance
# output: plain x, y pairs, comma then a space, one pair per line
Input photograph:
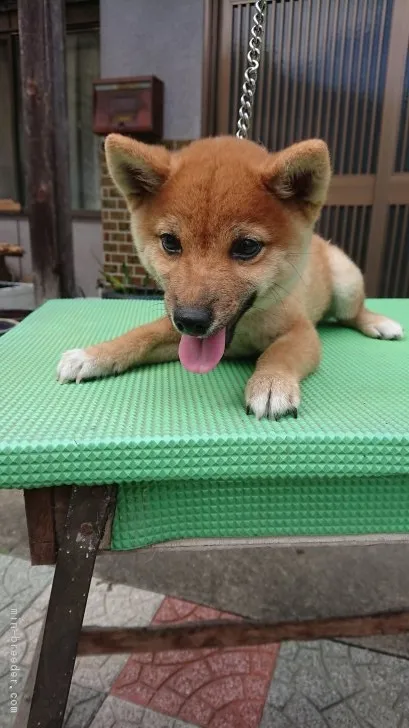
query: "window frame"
80, 17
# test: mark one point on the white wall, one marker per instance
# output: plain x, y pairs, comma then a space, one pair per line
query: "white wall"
163, 38
87, 238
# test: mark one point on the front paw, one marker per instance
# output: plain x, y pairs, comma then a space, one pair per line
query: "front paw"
78, 364
272, 395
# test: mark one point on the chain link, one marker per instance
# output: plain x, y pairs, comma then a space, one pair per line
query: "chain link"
250, 76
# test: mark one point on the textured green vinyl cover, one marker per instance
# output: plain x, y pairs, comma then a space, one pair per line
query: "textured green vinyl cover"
188, 461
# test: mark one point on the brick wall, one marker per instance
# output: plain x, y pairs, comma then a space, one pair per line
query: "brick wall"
117, 239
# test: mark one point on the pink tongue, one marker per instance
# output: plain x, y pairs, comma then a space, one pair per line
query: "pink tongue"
202, 355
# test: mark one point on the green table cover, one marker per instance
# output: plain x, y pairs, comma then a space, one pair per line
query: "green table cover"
188, 461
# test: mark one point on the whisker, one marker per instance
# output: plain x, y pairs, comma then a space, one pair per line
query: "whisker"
297, 272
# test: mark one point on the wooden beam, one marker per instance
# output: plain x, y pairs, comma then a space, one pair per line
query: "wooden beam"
351, 189
42, 48
398, 193
392, 104
209, 70
103, 641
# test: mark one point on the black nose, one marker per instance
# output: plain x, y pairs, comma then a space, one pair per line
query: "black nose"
192, 321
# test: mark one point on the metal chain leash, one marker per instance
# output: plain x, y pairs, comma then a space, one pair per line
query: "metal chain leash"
250, 76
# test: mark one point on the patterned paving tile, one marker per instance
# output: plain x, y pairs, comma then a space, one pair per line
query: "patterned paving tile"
116, 713
6, 716
112, 605
331, 685
210, 688
119, 605
28, 628
20, 584
108, 604
82, 706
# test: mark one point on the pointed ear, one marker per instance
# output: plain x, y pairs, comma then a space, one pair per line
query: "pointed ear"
137, 169
301, 174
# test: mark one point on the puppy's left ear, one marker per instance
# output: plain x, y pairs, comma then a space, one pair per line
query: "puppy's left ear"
300, 175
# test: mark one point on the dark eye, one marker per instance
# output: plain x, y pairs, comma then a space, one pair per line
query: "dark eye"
245, 249
171, 243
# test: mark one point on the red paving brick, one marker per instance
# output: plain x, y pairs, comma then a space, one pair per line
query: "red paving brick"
220, 688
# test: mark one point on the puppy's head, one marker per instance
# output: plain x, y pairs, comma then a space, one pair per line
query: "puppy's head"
218, 224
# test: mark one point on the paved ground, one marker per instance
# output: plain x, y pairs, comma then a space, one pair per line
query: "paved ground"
306, 685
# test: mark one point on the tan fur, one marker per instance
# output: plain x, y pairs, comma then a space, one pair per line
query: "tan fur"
209, 194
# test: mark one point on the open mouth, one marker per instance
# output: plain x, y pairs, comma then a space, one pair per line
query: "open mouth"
201, 355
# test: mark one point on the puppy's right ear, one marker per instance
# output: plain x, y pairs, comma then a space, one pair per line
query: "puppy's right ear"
138, 169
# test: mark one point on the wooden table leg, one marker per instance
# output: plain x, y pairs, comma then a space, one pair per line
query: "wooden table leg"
39, 504
88, 512
46, 512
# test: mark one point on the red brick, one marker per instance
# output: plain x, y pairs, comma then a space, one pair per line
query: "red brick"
254, 687
166, 701
228, 663
262, 663
227, 719
238, 715
250, 712
191, 678
221, 692
155, 676
196, 711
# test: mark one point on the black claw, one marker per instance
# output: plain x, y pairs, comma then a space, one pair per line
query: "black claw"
248, 410
277, 417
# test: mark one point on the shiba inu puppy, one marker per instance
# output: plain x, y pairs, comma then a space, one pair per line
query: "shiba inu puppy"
227, 230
